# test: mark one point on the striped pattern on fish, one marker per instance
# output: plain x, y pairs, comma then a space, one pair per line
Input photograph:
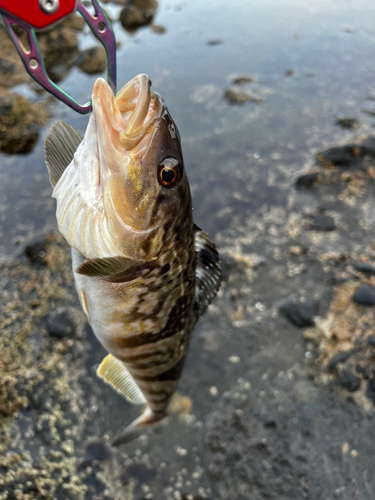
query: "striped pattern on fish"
145, 273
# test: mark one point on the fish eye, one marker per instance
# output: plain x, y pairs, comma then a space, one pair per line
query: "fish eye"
169, 172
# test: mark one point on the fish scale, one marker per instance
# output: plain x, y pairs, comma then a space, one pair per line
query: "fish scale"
144, 272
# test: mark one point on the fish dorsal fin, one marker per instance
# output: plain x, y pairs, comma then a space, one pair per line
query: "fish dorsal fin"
108, 267
114, 373
61, 143
207, 272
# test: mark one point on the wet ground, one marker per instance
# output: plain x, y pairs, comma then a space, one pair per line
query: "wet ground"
275, 105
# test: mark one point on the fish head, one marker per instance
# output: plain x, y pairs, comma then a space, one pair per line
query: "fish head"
142, 178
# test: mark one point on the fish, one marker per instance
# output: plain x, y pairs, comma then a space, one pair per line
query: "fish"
144, 272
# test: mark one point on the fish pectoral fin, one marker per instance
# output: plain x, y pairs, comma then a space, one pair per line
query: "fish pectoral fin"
111, 266
61, 143
114, 373
207, 271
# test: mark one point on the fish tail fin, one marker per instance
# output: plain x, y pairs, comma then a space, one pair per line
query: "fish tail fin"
134, 430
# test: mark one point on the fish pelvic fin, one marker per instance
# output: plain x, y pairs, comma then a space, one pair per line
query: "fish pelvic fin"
61, 143
135, 429
110, 266
114, 373
207, 271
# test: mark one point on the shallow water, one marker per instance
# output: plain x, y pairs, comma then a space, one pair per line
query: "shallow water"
333, 71
241, 160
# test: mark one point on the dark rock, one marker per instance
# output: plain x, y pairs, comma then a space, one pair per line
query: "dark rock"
370, 391
214, 42
371, 341
92, 61
348, 155
322, 222
61, 323
270, 423
366, 372
349, 380
138, 13
20, 123
368, 147
365, 295
300, 311
35, 251
307, 180
365, 268
340, 358
341, 156
348, 123
243, 80
96, 450
235, 96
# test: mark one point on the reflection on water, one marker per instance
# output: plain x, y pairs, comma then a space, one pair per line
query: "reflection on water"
300, 66
261, 40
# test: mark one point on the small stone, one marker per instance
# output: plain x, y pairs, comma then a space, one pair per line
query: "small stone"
370, 390
366, 373
235, 96
35, 251
60, 323
371, 341
345, 447
234, 359
243, 80
340, 358
365, 295
307, 181
322, 222
215, 42
348, 122
158, 29
349, 380
138, 13
181, 451
20, 122
214, 391
300, 311
270, 423
92, 61
365, 268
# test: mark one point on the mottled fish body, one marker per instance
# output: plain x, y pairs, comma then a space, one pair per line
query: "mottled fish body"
143, 271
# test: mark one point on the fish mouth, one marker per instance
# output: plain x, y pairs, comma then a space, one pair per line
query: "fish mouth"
128, 116
125, 125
